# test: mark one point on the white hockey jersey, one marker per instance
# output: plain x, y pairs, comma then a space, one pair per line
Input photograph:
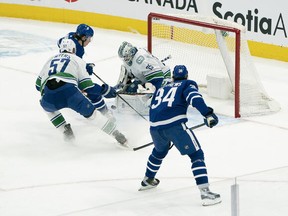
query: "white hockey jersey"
66, 67
146, 67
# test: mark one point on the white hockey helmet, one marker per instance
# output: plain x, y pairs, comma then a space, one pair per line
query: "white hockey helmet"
126, 52
67, 45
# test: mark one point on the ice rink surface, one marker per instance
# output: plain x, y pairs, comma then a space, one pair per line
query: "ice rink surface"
41, 175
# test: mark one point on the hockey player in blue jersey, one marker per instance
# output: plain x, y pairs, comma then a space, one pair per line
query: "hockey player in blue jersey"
168, 125
82, 37
64, 83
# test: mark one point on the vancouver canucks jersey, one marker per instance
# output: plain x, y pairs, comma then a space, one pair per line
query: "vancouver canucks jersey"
147, 68
170, 103
66, 67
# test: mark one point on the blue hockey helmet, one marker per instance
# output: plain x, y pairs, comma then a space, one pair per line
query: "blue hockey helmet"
84, 30
180, 72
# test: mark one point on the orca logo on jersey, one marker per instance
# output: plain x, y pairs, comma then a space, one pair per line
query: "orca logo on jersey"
140, 59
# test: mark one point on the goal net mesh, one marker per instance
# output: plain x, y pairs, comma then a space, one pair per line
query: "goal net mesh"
207, 52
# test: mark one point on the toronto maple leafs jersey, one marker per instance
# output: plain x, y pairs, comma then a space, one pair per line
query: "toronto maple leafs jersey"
147, 68
79, 48
66, 67
170, 103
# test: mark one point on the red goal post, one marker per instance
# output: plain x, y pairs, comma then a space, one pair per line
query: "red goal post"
180, 35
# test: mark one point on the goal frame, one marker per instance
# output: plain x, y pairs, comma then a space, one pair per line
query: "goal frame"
237, 32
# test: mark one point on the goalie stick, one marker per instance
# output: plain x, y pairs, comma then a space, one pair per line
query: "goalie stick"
150, 143
114, 107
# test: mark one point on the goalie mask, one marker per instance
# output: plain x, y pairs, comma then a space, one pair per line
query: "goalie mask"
126, 52
67, 45
180, 72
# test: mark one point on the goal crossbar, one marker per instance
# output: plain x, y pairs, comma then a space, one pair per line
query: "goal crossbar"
237, 32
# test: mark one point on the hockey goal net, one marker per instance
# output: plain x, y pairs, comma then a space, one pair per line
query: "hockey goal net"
217, 56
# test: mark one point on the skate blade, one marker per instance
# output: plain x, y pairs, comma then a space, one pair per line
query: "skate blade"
143, 188
124, 146
209, 202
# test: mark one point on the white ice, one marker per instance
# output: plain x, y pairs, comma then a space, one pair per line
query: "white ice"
41, 175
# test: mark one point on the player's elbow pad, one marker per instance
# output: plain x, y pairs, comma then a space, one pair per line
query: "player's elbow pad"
200, 105
95, 90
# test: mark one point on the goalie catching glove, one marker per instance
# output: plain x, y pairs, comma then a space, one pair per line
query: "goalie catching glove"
108, 91
210, 119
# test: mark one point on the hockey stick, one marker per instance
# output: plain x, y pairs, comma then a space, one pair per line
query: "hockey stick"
122, 98
165, 59
150, 143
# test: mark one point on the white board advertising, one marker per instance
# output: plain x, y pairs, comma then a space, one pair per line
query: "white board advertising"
266, 21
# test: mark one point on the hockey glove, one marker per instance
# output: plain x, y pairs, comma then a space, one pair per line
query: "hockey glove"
108, 91
89, 68
149, 88
132, 87
210, 119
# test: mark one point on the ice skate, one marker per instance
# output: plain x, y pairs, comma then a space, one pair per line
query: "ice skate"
209, 198
121, 139
68, 133
148, 183
109, 114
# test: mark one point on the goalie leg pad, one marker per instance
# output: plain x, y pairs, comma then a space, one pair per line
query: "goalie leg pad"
140, 102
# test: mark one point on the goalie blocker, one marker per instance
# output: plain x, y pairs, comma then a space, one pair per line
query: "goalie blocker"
134, 93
